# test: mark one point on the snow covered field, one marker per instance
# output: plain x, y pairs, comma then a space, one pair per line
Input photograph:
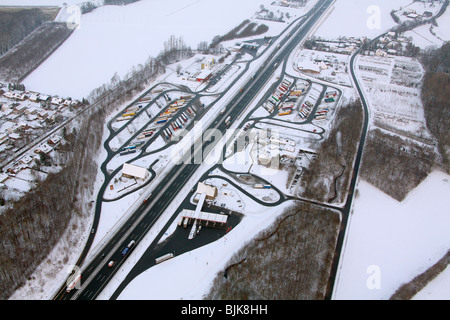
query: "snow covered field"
442, 30
392, 242
368, 18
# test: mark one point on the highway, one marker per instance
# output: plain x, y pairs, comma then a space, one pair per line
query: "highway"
96, 275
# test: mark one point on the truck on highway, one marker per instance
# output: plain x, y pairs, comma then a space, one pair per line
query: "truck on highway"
73, 283
227, 121
128, 247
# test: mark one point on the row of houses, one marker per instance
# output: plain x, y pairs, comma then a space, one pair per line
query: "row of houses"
393, 44
21, 112
38, 97
342, 45
15, 111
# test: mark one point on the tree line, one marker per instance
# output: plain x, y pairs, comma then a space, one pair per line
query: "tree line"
15, 25
436, 98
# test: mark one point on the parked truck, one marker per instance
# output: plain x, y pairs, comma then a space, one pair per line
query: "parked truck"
164, 258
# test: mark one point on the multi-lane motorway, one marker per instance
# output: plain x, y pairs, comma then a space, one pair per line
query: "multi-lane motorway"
97, 274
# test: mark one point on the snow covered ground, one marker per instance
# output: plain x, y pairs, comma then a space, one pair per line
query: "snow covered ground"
389, 242
392, 85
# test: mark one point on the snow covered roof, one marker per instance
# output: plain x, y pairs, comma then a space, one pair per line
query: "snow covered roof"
204, 74
56, 100
134, 171
308, 65
45, 148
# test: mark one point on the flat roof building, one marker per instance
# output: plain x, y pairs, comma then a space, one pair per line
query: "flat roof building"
210, 191
132, 171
